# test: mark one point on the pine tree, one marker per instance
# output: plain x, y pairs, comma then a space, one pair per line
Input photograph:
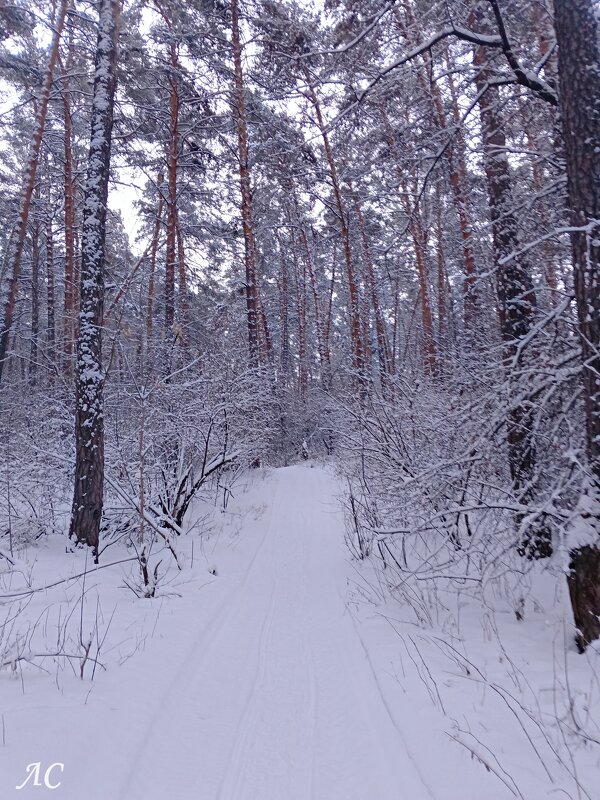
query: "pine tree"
88, 496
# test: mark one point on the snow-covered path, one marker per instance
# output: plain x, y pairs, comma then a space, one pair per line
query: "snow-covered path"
254, 684
275, 699
271, 680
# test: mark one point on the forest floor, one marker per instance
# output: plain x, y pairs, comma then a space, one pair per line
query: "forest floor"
280, 677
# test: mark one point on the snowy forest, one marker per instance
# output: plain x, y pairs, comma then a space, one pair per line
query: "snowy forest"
300, 399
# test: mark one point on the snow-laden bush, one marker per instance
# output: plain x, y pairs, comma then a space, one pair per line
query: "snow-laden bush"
430, 491
36, 456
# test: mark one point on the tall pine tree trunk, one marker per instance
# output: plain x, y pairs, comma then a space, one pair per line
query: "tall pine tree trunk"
419, 237
29, 184
300, 281
35, 295
297, 220
51, 316
454, 153
153, 252
460, 191
184, 302
71, 290
358, 345
577, 34
89, 412
515, 294
383, 348
442, 281
171, 246
239, 105
284, 314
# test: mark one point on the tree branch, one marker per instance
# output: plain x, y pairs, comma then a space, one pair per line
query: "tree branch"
524, 77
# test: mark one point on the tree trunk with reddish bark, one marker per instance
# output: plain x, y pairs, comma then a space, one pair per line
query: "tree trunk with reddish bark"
29, 184
358, 345
454, 154
171, 245
419, 238
578, 34
250, 254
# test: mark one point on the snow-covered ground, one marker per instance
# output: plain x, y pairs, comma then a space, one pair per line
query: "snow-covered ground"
282, 676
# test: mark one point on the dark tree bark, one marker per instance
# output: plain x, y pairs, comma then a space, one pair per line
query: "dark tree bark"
577, 34
89, 413
515, 295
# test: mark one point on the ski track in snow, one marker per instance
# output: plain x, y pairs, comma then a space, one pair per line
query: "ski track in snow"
275, 699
